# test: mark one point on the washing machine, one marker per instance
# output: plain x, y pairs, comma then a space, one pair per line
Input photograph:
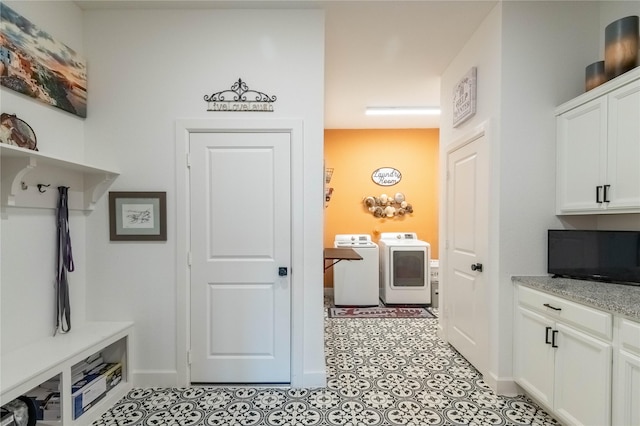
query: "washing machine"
355, 282
404, 269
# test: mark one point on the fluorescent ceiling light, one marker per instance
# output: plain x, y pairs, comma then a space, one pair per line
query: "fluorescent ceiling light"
402, 111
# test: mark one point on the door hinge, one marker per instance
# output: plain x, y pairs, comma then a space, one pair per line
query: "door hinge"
189, 357
188, 258
446, 244
448, 175
188, 160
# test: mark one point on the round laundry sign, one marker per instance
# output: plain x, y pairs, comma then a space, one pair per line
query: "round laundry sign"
386, 176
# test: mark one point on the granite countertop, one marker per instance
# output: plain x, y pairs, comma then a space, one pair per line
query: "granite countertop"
618, 299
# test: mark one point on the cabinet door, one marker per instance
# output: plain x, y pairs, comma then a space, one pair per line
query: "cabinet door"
623, 157
626, 410
581, 151
533, 357
582, 392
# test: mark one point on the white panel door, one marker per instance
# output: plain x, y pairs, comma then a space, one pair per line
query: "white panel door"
240, 240
467, 234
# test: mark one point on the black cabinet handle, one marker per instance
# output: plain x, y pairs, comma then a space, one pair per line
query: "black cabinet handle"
606, 193
552, 307
554, 333
598, 188
546, 335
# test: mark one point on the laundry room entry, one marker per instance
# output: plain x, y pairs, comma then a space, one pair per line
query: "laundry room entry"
353, 155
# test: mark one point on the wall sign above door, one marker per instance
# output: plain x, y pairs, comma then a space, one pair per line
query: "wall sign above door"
239, 98
386, 176
464, 98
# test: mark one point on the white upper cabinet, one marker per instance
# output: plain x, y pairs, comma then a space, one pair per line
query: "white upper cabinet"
598, 149
623, 154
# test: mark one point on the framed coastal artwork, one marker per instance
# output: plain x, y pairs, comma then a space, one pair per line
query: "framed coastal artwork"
35, 64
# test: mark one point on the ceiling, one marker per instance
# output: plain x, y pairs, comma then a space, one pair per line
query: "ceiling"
377, 53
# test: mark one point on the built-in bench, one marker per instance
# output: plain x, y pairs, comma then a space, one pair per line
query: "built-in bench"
54, 357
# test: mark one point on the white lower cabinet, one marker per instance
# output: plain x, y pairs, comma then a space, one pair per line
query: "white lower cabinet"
533, 357
626, 385
582, 378
563, 357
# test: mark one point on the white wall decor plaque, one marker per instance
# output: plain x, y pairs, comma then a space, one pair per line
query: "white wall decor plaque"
464, 98
386, 176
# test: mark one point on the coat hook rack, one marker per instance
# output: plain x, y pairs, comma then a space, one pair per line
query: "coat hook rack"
41, 186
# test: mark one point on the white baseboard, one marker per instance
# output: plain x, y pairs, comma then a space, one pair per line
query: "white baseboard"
502, 386
169, 379
154, 378
314, 379
440, 332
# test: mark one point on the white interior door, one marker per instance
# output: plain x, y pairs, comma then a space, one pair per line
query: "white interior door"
467, 248
240, 239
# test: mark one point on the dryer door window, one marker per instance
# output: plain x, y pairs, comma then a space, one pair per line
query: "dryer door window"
408, 268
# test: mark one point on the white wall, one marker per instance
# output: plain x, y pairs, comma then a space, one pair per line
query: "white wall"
151, 67
484, 51
530, 57
546, 46
29, 236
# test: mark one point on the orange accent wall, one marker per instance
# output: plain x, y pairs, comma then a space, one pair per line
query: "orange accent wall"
353, 155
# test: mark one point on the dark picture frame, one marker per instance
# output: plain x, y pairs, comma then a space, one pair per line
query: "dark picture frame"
138, 216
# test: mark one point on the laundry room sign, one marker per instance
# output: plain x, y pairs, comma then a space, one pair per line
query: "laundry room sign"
239, 98
386, 176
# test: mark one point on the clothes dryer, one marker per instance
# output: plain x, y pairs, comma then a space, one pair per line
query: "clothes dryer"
355, 282
404, 269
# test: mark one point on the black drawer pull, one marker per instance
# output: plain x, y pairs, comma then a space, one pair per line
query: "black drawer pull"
546, 335
554, 333
598, 188
606, 193
552, 307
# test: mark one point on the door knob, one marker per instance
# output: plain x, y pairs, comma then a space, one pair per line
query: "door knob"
476, 267
282, 271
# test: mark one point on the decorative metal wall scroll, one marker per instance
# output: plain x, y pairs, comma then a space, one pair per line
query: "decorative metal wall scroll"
239, 98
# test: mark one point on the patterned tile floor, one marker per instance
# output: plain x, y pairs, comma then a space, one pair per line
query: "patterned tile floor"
379, 372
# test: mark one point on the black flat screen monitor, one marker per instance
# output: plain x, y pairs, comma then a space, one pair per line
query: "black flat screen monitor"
611, 256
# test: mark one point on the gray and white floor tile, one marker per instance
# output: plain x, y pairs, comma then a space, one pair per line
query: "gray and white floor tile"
379, 372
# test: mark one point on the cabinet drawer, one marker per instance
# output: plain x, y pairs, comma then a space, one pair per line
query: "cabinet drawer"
630, 336
596, 322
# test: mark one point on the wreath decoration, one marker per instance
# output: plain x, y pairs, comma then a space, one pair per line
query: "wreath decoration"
386, 206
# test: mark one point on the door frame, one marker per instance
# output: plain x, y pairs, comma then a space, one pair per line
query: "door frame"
184, 127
